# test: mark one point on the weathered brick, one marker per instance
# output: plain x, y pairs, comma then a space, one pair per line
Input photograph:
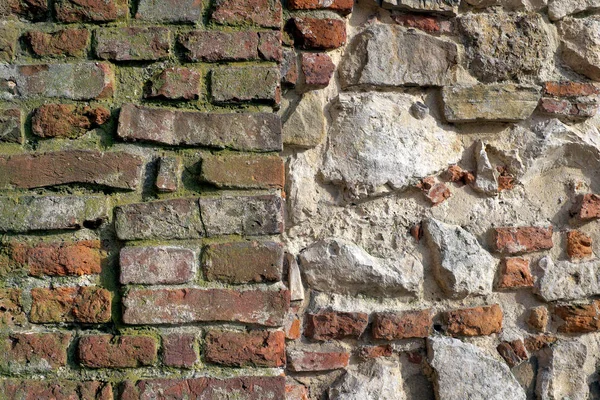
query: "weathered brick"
570, 108
570, 89
9, 33
212, 46
296, 392
167, 177
341, 6
513, 352
32, 213
133, 43
86, 10
289, 67
55, 390
476, 321
67, 120
114, 170
246, 349
269, 46
11, 126
175, 306
33, 352
317, 33
85, 304
246, 171
242, 215
175, 83
167, 219
292, 327
368, 352
317, 360
11, 309
243, 262
234, 84
515, 240
239, 131
80, 81
65, 42
107, 351
579, 318
538, 318
435, 192
586, 207
178, 350
579, 245
327, 325
515, 273
247, 388
317, 69
157, 265
188, 11
402, 325
35, 10
267, 13
427, 23
538, 342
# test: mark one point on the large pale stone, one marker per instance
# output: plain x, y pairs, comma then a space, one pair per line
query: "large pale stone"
560, 375
442, 6
376, 145
565, 280
463, 371
503, 46
501, 103
558, 9
339, 266
377, 379
304, 126
487, 177
461, 266
580, 45
528, 5
388, 56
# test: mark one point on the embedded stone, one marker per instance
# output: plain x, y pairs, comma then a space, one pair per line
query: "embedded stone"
441, 6
580, 45
167, 177
560, 372
565, 280
311, 359
375, 379
11, 126
558, 9
246, 171
579, 318
8, 41
579, 245
341, 6
538, 318
302, 129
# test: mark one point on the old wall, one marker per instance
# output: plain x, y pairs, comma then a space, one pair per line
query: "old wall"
320, 199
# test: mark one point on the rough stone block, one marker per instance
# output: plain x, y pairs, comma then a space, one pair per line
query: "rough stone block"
11, 126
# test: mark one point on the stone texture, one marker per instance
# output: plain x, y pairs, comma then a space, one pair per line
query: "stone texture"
11, 308
8, 41
375, 379
317, 359
167, 177
301, 129
70, 11
34, 213
157, 265
84, 304
486, 176
441, 6
580, 45
327, 325
462, 370
35, 10
33, 352
76, 81
435, 192
115, 170
178, 350
67, 120
339, 266
579, 245
476, 321
579, 318
386, 55
565, 280
177, 306
241, 349
538, 318
65, 42
513, 352
56, 389
461, 266
515, 273
267, 13
243, 262
341, 6
251, 83
294, 278
317, 69
11, 126
586, 207
559, 375
375, 146
245, 171
526, 239
133, 44
432, 24
175, 83
317, 33
558, 9
497, 102
504, 46
188, 11
239, 131
107, 351
289, 67
402, 325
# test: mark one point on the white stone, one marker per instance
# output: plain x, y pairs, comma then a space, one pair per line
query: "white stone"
558, 9
486, 179
376, 143
294, 278
442, 6
461, 266
377, 379
580, 38
339, 266
565, 280
463, 371
305, 125
560, 375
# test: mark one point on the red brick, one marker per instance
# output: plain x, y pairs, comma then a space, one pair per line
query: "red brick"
574, 109
318, 34
317, 69
368, 352
86, 10
341, 6
579, 318
269, 46
213, 46
435, 192
55, 390
538, 318
586, 207
579, 245
175, 83
245, 171
188, 11
292, 327
426, 23
476, 321
456, 174
133, 44
505, 180
34, 351
289, 67
327, 325
513, 352
570, 89
115, 169
85, 304
11, 126
178, 350
35, 10
515, 273
523, 239
402, 325
243, 262
107, 351
175, 306
11, 309
65, 42
318, 360
250, 388
167, 177
538, 342
241, 349
67, 120
296, 392
267, 13
248, 83
157, 265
